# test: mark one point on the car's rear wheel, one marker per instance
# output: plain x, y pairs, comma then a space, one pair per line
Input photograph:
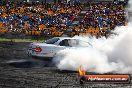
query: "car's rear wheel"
82, 80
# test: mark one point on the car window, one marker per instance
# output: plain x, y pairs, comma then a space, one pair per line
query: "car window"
52, 41
64, 42
83, 43
73, 42
78, 43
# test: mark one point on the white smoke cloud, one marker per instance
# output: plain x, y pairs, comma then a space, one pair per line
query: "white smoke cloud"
86, 57
107, 55
130, 5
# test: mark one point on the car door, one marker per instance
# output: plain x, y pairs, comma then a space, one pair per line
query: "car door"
63, 45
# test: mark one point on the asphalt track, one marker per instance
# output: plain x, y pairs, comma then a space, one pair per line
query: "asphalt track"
18, 70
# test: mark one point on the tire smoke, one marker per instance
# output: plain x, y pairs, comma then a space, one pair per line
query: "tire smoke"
107, 55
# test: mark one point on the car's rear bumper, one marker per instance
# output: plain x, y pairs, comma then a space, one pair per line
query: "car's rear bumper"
40, 54
42, 58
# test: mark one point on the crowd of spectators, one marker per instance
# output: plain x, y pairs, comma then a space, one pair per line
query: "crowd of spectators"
104, 16
57, 19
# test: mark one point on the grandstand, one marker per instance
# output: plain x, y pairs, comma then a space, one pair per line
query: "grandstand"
97, 18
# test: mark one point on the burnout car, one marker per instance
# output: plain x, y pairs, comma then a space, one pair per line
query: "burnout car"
50, 47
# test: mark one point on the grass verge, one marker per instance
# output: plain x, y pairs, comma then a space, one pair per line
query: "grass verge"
20, 40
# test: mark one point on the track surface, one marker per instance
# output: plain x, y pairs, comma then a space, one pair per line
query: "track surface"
17, 70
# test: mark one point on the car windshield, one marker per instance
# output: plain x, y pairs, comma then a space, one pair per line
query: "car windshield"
52, 41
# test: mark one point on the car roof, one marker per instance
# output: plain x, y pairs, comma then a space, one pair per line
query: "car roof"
62, 38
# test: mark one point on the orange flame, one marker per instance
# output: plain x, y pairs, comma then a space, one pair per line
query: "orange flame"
82, 72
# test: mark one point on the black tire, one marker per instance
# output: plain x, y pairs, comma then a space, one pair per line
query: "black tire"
82, 80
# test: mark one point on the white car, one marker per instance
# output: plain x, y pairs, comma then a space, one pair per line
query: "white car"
53, 45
